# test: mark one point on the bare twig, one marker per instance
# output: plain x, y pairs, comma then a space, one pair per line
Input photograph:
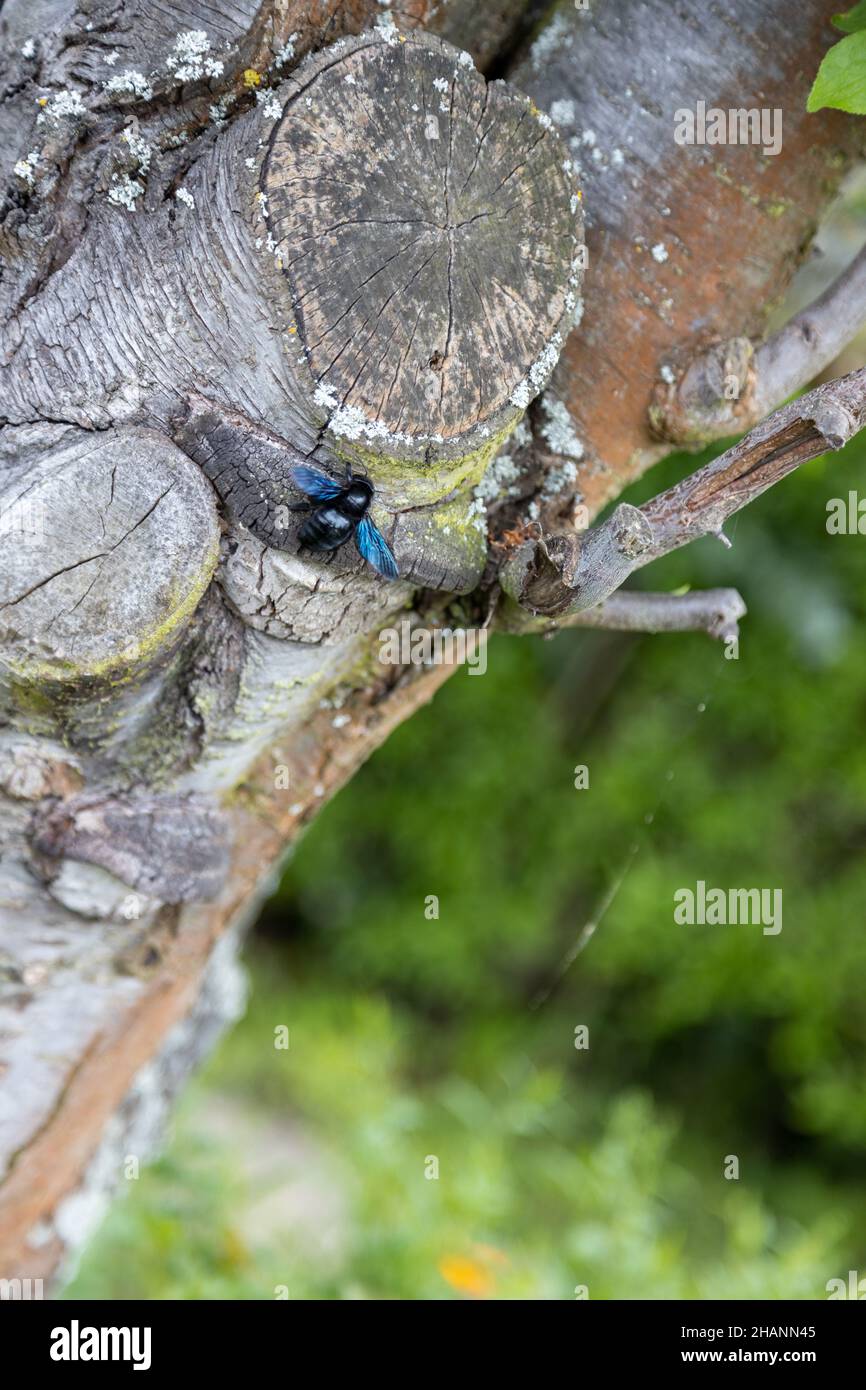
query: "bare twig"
567, 573
714, 611
732, 385
810, 341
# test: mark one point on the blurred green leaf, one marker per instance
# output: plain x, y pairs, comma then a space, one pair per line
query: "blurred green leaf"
853, 19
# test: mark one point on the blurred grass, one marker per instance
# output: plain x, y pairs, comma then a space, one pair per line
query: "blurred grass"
414, 1038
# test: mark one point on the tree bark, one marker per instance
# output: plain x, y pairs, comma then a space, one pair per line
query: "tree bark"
239, 238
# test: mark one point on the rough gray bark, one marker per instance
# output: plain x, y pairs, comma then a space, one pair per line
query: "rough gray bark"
730, 222
234, 237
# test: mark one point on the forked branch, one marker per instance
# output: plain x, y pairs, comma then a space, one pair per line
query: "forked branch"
568, 573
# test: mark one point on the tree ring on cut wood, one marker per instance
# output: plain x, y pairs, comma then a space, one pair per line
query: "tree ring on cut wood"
427, 223
110, 540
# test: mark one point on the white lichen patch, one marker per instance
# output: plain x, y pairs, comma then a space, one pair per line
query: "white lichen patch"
268, 101
551, 38
559, 480
540, 371
62, 105
538, 374
183, 195
111, 58
191, 58
497, 481
124, 191
25, 169
476, 514
218, 112
558, 430
667, 374
287, 52
141, 152
522, 436
28, 49
348, 422
466, 60
659, 252
130, 82
387, 28
441, 84
563, 111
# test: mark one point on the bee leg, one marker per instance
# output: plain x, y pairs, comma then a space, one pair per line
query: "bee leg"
300, 506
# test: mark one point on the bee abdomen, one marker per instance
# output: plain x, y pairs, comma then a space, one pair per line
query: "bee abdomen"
326, 529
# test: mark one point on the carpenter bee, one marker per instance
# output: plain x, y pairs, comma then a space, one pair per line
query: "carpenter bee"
339, 510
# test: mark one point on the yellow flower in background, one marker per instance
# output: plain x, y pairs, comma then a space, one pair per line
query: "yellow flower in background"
472, 1276
466, 1276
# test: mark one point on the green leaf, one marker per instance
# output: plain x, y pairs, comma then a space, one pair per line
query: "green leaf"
852, 20
841, 80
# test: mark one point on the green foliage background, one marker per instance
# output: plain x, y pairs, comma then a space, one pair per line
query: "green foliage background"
455, 1038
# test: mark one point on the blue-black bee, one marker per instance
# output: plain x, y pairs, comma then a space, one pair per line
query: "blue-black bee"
339, 510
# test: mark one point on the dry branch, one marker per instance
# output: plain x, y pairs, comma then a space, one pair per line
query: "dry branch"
714, 611
569, 573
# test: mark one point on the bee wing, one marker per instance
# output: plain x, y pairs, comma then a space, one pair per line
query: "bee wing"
314, 483
375, 549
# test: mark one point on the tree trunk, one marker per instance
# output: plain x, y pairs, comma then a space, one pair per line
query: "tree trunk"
244, 238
